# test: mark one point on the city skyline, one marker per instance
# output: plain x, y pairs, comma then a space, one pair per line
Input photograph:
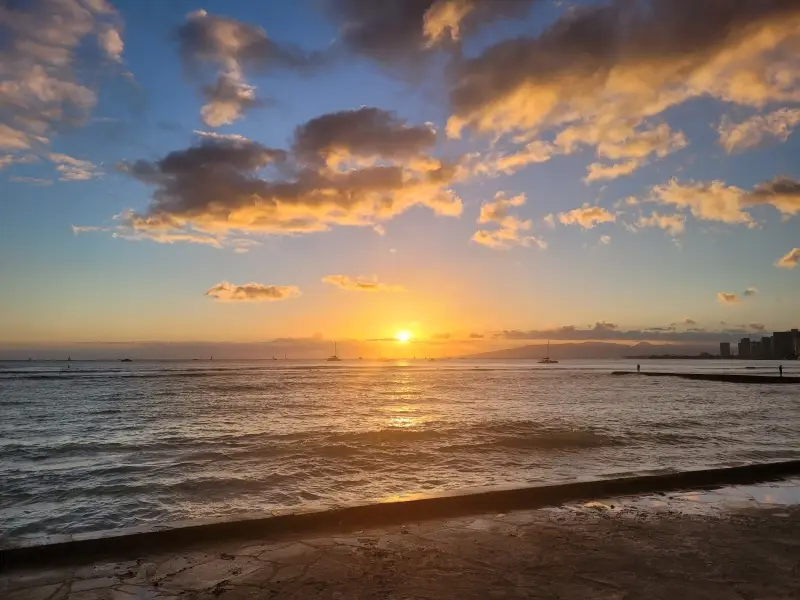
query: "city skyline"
294, 174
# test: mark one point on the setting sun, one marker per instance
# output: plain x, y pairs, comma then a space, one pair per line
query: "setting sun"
403, 336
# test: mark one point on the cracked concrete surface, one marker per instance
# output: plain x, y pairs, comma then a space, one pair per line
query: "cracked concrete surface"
740, 543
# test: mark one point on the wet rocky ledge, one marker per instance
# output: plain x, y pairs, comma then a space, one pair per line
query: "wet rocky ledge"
732, 543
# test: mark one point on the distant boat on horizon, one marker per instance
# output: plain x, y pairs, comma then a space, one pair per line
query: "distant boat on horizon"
125, 360
547, 360
335, 357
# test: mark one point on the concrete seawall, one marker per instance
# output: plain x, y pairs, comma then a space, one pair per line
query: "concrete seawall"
726, 377
131, 542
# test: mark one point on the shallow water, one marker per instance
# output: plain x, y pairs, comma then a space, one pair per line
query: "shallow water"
105, 445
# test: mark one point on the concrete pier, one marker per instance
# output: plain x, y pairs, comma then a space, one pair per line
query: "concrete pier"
725, 377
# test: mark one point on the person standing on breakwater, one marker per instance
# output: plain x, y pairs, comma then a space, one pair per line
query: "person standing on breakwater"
638, 368
780, 370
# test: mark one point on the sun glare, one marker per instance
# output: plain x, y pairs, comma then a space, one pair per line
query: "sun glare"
403, 336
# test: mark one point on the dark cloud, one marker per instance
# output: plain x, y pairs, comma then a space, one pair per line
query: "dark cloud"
476, 336
227, 183
252, 292
602, 70
782, 192
392, 31
233, 48
756, 327
749, 292
689, 322
366, 133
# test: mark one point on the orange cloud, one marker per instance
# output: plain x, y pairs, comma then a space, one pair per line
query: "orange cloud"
737, 137
789, 260
631, 60
587, 216
728, 298
511, 228
252, 292
352, 284
674, 225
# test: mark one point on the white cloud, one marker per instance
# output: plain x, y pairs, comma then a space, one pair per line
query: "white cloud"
73, 169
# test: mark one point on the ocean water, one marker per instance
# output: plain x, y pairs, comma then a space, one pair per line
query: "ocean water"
103, 445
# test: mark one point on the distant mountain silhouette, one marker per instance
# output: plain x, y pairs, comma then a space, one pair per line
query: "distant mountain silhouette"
593, 350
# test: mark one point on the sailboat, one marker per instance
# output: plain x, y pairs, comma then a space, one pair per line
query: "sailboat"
335, 357
547, 360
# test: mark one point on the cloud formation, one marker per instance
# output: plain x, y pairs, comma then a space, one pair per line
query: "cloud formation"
402, 31
252, 292
629, 61
43, 43
728, 298
232, 48
73, 169
737, 137
587, 216
511, 229
361, 284
782, 192
365, 134
674, 225
226, 184
789, 260
749, 292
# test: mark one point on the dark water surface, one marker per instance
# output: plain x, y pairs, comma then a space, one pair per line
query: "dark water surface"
105, 445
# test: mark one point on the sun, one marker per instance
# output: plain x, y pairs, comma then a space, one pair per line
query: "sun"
403, 336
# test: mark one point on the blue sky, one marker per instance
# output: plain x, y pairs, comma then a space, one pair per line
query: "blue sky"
83, 259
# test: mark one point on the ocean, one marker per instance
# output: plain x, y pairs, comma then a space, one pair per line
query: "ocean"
103, 445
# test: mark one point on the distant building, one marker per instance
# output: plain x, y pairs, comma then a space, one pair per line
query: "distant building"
766, 347
755, 349
785, 344
744, 348
725, 349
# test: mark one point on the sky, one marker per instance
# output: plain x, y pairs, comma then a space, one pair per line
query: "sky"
477, 173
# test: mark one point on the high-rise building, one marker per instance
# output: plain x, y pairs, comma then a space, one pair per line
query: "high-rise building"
744, 348
755, 349
725, 349
785, 344
766, 347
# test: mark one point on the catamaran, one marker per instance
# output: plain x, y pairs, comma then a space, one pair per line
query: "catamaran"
335, 357
547, 360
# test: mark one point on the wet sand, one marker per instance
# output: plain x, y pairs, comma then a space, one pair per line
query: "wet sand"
733, 543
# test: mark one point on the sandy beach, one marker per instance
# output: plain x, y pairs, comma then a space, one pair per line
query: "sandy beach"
734, 543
